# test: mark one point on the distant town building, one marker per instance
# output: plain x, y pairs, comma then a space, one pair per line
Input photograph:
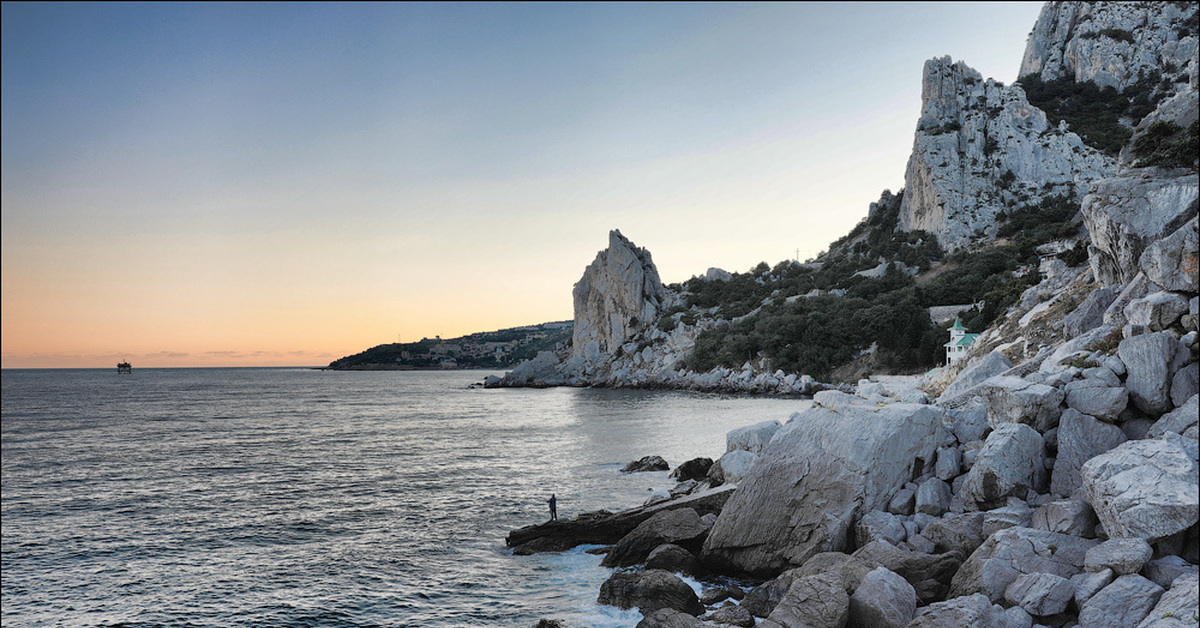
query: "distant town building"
960, 341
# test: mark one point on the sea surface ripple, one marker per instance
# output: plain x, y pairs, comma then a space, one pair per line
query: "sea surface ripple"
294, 497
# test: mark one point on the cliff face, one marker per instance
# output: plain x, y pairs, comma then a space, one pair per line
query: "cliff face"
980, 149
1112, 44
619, 295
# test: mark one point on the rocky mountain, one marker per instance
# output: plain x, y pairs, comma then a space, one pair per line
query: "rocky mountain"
982, 149
1112, 44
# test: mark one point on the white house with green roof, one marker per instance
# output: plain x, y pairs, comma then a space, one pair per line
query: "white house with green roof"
960, 341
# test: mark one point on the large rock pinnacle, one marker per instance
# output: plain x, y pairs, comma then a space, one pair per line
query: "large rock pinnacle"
619, 294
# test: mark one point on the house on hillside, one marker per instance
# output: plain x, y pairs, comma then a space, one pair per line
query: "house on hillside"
960, 341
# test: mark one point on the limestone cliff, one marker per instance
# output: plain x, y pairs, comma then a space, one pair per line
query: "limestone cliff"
1112, 44
619, 295
981, 149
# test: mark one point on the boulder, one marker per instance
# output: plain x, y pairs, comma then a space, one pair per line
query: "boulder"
669, 618
732, 615
1149, 360
603, 527
1185, 384
648, 591
1095, 398
732, 467
1089, 314
1122, 556
675, 559
812, 602
1040, 593
883, 600
975, 611
1010, 463
680, 526
1017, 514
928, 573
1179, 607
1156, 311
903, 502
933, 497
821, 472
1163, 571
975, 373
1170, 263
1016, 400
647, 463
949, 463
751, 438
1125, 602
694, 469
960, 533
1015, 551
1178, 420
1145, 489
1066, 516
1080, 438
1088, 584
879, 525
970, 422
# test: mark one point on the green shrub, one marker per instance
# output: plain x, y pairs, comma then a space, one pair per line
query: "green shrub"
1168, 145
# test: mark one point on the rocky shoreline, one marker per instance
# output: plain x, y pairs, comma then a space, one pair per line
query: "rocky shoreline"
1049, 479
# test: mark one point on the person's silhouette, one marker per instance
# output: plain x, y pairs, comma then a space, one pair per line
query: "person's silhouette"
553, 507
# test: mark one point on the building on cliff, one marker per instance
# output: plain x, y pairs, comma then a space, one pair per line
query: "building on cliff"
960, 341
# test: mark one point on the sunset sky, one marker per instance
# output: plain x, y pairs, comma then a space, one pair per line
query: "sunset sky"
256, 185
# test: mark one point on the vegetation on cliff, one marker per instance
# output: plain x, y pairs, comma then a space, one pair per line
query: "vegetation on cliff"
493, 349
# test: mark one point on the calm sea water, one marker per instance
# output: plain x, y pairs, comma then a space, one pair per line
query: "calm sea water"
291, 497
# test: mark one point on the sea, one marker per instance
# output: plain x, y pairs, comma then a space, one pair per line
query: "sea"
302, 497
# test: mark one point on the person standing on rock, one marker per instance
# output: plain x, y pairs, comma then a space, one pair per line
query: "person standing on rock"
553, 507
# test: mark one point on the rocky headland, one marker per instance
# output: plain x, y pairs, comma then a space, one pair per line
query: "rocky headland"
1051, 478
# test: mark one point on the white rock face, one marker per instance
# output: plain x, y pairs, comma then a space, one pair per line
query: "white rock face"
1125, 215
980, 146
822, 471
619, 294
1145, 489
1089, 41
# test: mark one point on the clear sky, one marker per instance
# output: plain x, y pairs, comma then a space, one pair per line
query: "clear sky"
245, 184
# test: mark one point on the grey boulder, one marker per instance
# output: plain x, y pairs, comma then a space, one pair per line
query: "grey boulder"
1009, 464
883, 600
1010, 553
1145, 489
1040, 593
1080, 438
649, 590
1123, 556
1125, 602
817, 601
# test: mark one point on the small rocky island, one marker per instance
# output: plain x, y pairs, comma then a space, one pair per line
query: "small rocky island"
1048, 478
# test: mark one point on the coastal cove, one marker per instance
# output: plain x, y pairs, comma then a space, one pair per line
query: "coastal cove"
272, 497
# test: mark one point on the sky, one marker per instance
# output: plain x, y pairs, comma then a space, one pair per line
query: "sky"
286, 184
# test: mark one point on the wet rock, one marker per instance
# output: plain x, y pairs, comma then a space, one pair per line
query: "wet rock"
883, 600
647, 463
675, 559
812, 601
680, 526
649, 590
669, 618
732, 615
694, 469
